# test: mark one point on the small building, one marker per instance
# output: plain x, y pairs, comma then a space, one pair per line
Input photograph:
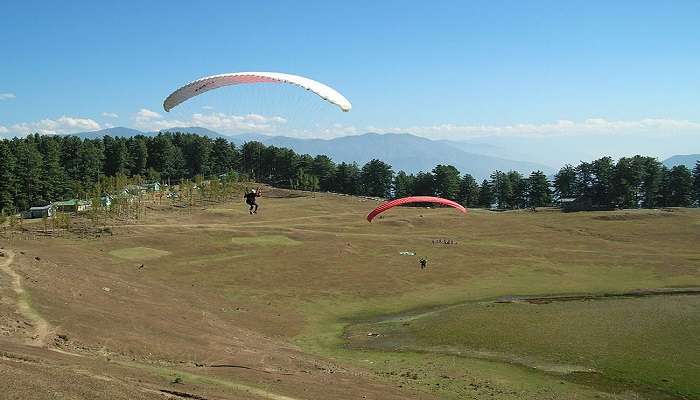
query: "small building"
106, 201
72, 206
40, 212
151, 187
567, 203
133, 190
582, 203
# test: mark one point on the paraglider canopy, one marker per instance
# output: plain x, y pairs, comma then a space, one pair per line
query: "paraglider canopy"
208, 83
413, 199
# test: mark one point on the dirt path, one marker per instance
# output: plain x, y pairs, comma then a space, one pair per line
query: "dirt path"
42, 329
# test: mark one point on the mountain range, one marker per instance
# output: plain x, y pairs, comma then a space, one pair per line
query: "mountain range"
689, 160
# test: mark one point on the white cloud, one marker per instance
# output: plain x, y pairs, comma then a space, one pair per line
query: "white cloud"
228, 123
61, 125
150, 120
110, 115
4, 129
592, 126
220, 122
146, 114
7, 96
335, 130
207, 108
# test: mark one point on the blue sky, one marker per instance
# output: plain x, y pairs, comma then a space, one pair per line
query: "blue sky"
440, 69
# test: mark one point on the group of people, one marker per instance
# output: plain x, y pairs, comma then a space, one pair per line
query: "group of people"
444, 241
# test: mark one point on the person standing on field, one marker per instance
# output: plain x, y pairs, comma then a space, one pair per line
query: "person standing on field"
250, 200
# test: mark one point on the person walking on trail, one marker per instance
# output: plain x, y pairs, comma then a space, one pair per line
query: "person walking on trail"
250, 200
423, 263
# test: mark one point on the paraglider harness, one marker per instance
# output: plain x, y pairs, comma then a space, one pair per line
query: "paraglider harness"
250, 200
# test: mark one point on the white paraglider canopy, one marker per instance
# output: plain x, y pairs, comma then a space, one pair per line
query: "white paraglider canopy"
208, 83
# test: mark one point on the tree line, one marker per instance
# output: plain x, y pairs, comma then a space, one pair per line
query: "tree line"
40, 169
631, 182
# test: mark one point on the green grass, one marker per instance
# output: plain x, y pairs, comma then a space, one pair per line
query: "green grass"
265, 240
139, 253
646, 342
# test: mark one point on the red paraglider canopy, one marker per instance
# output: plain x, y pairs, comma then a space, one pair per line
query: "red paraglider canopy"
413, 199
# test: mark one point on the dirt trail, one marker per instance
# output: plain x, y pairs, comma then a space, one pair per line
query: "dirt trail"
42, 329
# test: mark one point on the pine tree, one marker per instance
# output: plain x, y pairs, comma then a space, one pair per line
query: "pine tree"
91, 158
175, 164
340, 178
324, 168
251, 159
223, 156
7, 177
138, 156
624, 182
651, 182
55, 181
602, 191
403, 184
696, 183
519, 190
501, 189
347, 179
469, 191
70, 160
446, 179
539, 193
486, 196
377, 177
285, 165
424, 184
29, 175
680, 187
584, 180
116, 156
197, 155
565, 183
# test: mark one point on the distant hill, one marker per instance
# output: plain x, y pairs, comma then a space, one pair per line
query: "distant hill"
403, 151
688, 160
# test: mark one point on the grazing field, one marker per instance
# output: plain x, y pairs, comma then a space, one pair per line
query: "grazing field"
648, 342
306, 300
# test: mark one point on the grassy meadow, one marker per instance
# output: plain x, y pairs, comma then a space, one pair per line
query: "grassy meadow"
310, 273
